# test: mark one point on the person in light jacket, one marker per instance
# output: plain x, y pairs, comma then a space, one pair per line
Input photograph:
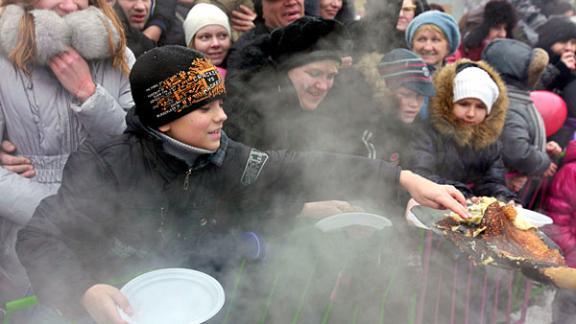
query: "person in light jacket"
64, 68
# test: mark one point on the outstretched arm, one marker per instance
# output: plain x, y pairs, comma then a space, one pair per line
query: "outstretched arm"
434, 195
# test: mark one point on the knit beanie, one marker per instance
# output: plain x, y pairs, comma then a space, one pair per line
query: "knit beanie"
171, 81
442, 20
307, 40
202, 15
403, 68
556, 29
474, 82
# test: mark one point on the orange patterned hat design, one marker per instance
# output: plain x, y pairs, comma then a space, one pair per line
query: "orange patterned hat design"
186, 89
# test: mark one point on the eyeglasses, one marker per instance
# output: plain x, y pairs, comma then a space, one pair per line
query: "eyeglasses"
408, 8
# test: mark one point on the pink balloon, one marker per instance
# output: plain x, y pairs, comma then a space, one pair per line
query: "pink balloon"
552, 108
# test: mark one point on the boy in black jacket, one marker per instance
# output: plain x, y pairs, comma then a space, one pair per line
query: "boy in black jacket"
174, 189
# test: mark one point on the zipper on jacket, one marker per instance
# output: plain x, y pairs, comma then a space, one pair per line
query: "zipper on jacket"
187, 179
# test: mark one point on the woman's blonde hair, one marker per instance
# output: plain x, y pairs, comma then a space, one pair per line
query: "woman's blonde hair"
23, 55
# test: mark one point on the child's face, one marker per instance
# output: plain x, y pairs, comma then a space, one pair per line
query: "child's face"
470, 111
410, 103
201, 128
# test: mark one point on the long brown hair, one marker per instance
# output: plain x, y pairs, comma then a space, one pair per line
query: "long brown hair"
23, 55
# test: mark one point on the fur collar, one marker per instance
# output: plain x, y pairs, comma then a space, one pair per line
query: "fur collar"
86, 31
384, 98
443, 120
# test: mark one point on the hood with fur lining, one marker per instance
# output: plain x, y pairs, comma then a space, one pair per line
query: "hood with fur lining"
444, 121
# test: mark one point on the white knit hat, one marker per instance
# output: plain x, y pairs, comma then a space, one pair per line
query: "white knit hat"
474, 82
202, 15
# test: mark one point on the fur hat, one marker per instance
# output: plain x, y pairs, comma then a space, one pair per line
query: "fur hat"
202, 15
403, 68
307, 40
170, 81
556, 29
474, 82
442, 20
496, 13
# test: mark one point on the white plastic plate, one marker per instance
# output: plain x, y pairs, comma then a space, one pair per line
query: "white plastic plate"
533, 217
340, 221
173, 295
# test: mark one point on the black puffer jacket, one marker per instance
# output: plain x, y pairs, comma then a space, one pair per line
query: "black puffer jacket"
468, 157
126, 206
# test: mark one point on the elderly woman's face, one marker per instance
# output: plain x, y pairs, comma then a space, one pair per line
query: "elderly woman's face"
62, 7
431, 45
312, 82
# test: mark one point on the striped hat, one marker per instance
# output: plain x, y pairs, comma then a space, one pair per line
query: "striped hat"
403, 68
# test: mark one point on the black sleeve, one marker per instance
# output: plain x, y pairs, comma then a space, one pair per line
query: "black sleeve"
492, 182
287, 179
424, 156
48, 246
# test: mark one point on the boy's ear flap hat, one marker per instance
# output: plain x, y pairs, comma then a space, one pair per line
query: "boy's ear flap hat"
403, 68
307, 40
170, 81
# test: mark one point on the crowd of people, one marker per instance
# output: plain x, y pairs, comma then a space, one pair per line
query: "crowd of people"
138, 134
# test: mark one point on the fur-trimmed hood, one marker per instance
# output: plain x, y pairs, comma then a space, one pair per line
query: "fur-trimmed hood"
86, 31
444, 121
367, 66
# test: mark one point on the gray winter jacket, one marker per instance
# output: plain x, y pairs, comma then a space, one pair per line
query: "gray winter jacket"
524, 137
46, 125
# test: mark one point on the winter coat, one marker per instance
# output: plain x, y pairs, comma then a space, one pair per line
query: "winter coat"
47, 124
560, 205
127, 206
386, 136
524, 135
264, 112
468, 157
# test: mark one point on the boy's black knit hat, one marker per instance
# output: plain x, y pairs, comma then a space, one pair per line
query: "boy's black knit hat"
168, 82
306, 40
556, 29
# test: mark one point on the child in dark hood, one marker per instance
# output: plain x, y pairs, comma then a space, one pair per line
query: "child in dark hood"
173, 191
526, 153
459, 145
